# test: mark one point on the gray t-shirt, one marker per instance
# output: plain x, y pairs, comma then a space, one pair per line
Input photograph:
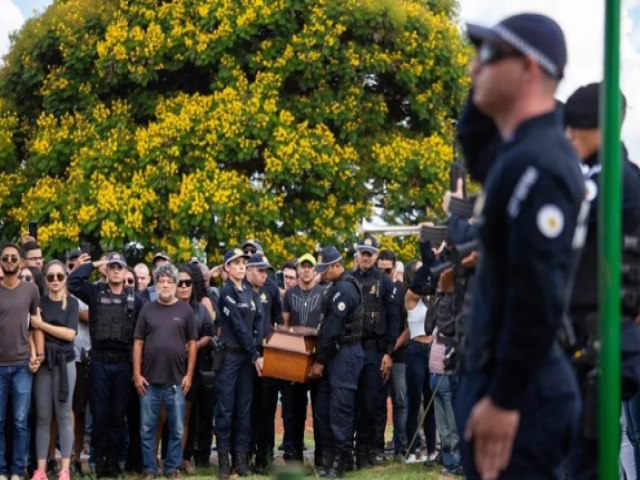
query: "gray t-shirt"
16, 306
165, 330
305, 306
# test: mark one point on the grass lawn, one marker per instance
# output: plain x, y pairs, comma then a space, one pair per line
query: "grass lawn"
388, 472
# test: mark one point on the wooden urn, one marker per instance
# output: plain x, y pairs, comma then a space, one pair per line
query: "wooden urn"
289, 353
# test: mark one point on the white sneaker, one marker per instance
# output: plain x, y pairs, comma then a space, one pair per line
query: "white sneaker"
413, 458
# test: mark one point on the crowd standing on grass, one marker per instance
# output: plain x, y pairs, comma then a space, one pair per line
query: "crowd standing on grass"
489, 370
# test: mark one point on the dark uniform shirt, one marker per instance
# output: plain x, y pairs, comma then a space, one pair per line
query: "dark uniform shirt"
80, 286
241, 318
269, 296
391, 307
533, 198
343, 302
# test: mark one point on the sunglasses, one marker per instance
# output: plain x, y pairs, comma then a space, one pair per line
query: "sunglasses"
55, 276
130, 281
26, 278
388, 270
250, 250
185, 283
489, 53
10, 259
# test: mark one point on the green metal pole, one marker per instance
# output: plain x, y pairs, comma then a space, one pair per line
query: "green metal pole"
609, 240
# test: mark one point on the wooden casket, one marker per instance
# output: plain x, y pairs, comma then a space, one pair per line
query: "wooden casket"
289, 353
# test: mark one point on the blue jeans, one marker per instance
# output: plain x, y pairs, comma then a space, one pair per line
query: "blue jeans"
631, 410
399, 401
15, 380
173, 400
445, 420
419, 392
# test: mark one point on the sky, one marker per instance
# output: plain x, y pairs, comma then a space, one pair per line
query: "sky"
582, 22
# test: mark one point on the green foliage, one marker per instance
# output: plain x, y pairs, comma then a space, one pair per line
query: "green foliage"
190, 125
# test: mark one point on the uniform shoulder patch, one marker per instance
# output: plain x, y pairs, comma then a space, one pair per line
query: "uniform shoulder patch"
591, 190
550, 221
341, 306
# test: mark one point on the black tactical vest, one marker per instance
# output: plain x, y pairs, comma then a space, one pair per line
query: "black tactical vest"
115, 319
354, 323
374, 311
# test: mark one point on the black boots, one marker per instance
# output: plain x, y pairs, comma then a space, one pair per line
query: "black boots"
224, 469
242, 464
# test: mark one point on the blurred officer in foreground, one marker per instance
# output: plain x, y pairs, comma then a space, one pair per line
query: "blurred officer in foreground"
338, 363
581, 116
518, 398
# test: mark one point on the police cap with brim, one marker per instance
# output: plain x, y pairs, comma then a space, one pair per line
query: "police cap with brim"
582, 109
258, 261
368, 244
234, 254
74, 254
253, 244
160, 256
115, 257
328, 256
532, 34
308, 258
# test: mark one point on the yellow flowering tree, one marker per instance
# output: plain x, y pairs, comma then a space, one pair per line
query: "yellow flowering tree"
190, 125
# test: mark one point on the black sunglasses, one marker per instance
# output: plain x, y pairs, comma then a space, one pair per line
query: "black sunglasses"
10, 259
130, 281
26, 278
489, 53
185, 283
55, 276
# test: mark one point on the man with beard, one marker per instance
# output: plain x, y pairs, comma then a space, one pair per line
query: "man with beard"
18, 358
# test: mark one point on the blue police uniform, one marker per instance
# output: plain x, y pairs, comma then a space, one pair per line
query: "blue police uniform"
240, 323
380, 305
110, 371
528, 226
340, 352
582, 112
265, 398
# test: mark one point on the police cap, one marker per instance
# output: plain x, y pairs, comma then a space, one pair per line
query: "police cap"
327, 257
582, 110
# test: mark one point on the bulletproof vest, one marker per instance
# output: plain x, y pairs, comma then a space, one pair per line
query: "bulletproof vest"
114, 321
354, 324
374, 310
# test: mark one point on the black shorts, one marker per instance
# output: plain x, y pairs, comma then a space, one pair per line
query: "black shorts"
81, 392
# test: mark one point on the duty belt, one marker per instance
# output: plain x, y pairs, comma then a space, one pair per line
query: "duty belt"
110, 357
378, 343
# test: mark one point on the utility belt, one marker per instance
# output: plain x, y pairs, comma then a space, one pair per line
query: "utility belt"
233, 348
379, 344
110, 357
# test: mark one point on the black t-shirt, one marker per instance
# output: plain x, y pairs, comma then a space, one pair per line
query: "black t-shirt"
165, 330
53, 314
304, 306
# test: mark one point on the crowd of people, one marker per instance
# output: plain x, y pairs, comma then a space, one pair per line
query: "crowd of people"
143, 366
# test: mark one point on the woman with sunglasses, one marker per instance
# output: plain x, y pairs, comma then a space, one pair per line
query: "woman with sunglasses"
55, 381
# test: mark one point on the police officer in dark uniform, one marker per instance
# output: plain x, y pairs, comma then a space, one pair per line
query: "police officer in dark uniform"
581, 115
338, 363
241, 333
518, 398
113, 310
265, 390
380, 332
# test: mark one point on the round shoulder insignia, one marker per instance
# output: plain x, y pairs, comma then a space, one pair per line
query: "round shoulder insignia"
591, 190
341, 306
550, 221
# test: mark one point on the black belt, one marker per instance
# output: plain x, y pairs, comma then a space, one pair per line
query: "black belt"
230, 348
109, 357
379, 344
